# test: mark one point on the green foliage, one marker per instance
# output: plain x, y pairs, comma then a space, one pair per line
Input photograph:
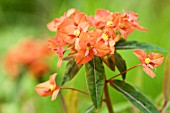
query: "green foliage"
135, 97
95, 76
71, 70
124, 44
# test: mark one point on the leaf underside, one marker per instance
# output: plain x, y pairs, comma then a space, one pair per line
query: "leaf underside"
95, 77
109, 61
71, 70
135, 97
137, 45
120, 64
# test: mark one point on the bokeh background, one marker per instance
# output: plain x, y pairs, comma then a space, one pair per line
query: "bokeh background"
20, 19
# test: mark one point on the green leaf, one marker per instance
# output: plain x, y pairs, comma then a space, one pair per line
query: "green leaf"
120, 64
137, 45
135, 97
71, 70
109, 60
95, 76
166, 79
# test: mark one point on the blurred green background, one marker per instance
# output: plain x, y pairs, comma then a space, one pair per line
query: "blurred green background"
24, 18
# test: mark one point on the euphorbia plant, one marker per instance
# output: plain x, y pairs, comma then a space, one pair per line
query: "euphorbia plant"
93, 41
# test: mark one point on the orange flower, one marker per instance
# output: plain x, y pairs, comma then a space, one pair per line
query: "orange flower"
71, 29
48, 88
132, 18
149, 61
100, 19
106, 37
89, 47
128, 23
53, 25
56, 46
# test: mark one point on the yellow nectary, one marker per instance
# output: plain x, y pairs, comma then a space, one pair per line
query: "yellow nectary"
147, 60
77, 32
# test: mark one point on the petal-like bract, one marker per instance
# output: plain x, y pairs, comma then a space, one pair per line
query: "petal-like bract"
149, 61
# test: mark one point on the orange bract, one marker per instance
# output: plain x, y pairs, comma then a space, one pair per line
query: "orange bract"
72, 28
53, 25
149, 61
48, 88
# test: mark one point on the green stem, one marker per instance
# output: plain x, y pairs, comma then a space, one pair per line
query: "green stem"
63, 102
107, 99
122, 73
75, 90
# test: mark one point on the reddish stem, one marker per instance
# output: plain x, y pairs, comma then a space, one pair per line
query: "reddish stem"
164, 106
75, 90
122, 72
107, 98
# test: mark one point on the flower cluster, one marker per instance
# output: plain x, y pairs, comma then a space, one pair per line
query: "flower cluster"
30, 54
85, 36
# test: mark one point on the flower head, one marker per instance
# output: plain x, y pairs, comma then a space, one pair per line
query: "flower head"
48, 88
72, 28
90, 47
150, 61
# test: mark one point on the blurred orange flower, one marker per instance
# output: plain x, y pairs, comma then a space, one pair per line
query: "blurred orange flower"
30, 54
48, 88
149, 61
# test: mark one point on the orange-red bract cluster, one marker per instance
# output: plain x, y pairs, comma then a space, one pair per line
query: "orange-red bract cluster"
28, 53
85, 36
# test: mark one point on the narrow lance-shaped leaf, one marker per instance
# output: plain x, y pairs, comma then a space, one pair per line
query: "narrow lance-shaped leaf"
135, 97
71, 70
120, 64
95, 80
123, 44
166, 79
109, 61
